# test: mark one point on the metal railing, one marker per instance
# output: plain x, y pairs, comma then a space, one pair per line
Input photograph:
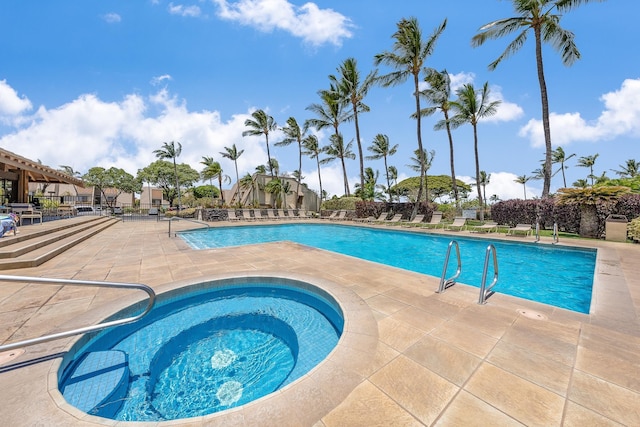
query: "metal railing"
555, 233
537, 232
185, 219
447, 283
86, 329
487, 291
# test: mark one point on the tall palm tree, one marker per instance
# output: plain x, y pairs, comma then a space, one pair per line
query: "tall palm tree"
293, 133
247, 183
471, 107
485, 178
232, 153
313, 150
588, 162
393, 177
330, 111
408, 56
538, 16
438, 94
212, 169
630, 169
352, 91
523, 179
338, 150
171, 150
559, 156
69, 171
423, 161
382, 149
261, 124
369, 191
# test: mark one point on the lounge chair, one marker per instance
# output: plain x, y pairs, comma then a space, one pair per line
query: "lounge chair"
394, 219
271, 215
415, 221
281, 214
436, 220
382, 217
231, 215
342, 215
487, 227
519, 229
367, 219
457, 224
332, 216
257, 214
246, 215
302, 214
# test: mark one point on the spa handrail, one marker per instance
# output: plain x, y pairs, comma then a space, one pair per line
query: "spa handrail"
487, 291
186, 219
447, 283
86, 329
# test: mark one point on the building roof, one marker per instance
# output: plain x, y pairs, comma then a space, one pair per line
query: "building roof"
36, 172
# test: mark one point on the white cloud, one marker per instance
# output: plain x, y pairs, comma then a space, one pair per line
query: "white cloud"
159, 79
182, 10
112, 18
621, 116
504, 186
506, 111
460, 79
314, 25
10, 103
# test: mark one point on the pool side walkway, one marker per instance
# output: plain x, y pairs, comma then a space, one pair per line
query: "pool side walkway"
410, 356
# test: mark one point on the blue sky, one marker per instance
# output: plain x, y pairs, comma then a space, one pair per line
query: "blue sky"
104, 83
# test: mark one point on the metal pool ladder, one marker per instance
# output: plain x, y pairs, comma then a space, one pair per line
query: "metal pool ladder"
487, 291
447, 283
86, 329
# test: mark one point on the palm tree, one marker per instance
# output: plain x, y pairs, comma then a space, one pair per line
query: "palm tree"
368, 192
313, 150
261, 124
408, 57
382, 149
536, 15
485, 178
330, 112
470, 107
69, 171
247, 183
423, 161
393, 177
630, 169
232, 153
581, 183
523, 179
559, 156
338, 150
212, 169
293, 133
351, 91
588, 162
171, 150
437, 94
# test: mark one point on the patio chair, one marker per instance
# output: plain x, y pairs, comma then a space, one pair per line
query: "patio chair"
231, 215
332, 216
519, 229
302, 214
257, 214
246, 215
272, 215
382, 217
394, 219
487, 227
436, 219
457, 225
415, 221
281, 214
342, 215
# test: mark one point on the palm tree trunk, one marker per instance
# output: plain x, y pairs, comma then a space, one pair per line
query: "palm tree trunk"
564, 178
266, 137
346, 180
454, 185
386, 170
416, 85
299, 173
545, 114
175, 171
220, 185
475, 147
319, 180
588, 221
355, 119
237, 181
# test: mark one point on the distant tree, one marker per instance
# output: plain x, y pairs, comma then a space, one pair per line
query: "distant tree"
419, 162
72, 173
351, 91
232, 153
630, 169
293, 133
338, 150
393, 177
559, 156
581, 183
523, 179
162, 175
113, 178
382, 149
371, 187
212, 169
313, 150
471, 107
171, 150
261, 124
536, 15
588, 162
330, 111
408, 56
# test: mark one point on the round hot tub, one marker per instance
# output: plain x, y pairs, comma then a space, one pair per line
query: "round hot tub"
203, 349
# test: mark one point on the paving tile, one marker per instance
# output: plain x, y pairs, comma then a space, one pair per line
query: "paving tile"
465, 337
469, 411
579, 416
398, 335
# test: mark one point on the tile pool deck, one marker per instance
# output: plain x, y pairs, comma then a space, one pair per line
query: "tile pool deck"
410, 356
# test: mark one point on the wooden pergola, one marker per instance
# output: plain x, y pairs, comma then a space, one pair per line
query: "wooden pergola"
23, 171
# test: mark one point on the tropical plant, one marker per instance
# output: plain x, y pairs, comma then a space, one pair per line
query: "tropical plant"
470, 107
559, 156
162, 175
438, 94
73, 173
393, 177
580, 183
588, 162
113, 178
338, 150
232, 153
420, 161
630, 169
248, 183
485, 178
212, 169
261, 124
171, 150
371, 187
408, 56
538, 16
523, 179
382, 149
330, 111
312, 149
293, 133
351, 92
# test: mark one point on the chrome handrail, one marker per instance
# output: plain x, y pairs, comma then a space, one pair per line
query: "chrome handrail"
555, 233
487, 291
186, 219
447, 283
537, 232
86, 329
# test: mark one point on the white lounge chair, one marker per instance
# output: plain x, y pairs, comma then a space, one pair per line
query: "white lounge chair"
457, 224
394, 219
342, 215
417, 220
519, 229
436, 220
487, 227
231, 215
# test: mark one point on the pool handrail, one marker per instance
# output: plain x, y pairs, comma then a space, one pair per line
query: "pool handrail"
85, 329
186, 219
487, 291
447, 283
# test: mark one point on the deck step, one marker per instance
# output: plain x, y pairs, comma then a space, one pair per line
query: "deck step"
36, 246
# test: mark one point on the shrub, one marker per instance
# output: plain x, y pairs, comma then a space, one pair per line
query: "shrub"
633, 230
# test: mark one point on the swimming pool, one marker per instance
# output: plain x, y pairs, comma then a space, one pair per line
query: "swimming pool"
557, 275
211, 347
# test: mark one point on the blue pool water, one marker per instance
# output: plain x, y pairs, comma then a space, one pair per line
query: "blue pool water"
202, 352
556, 275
